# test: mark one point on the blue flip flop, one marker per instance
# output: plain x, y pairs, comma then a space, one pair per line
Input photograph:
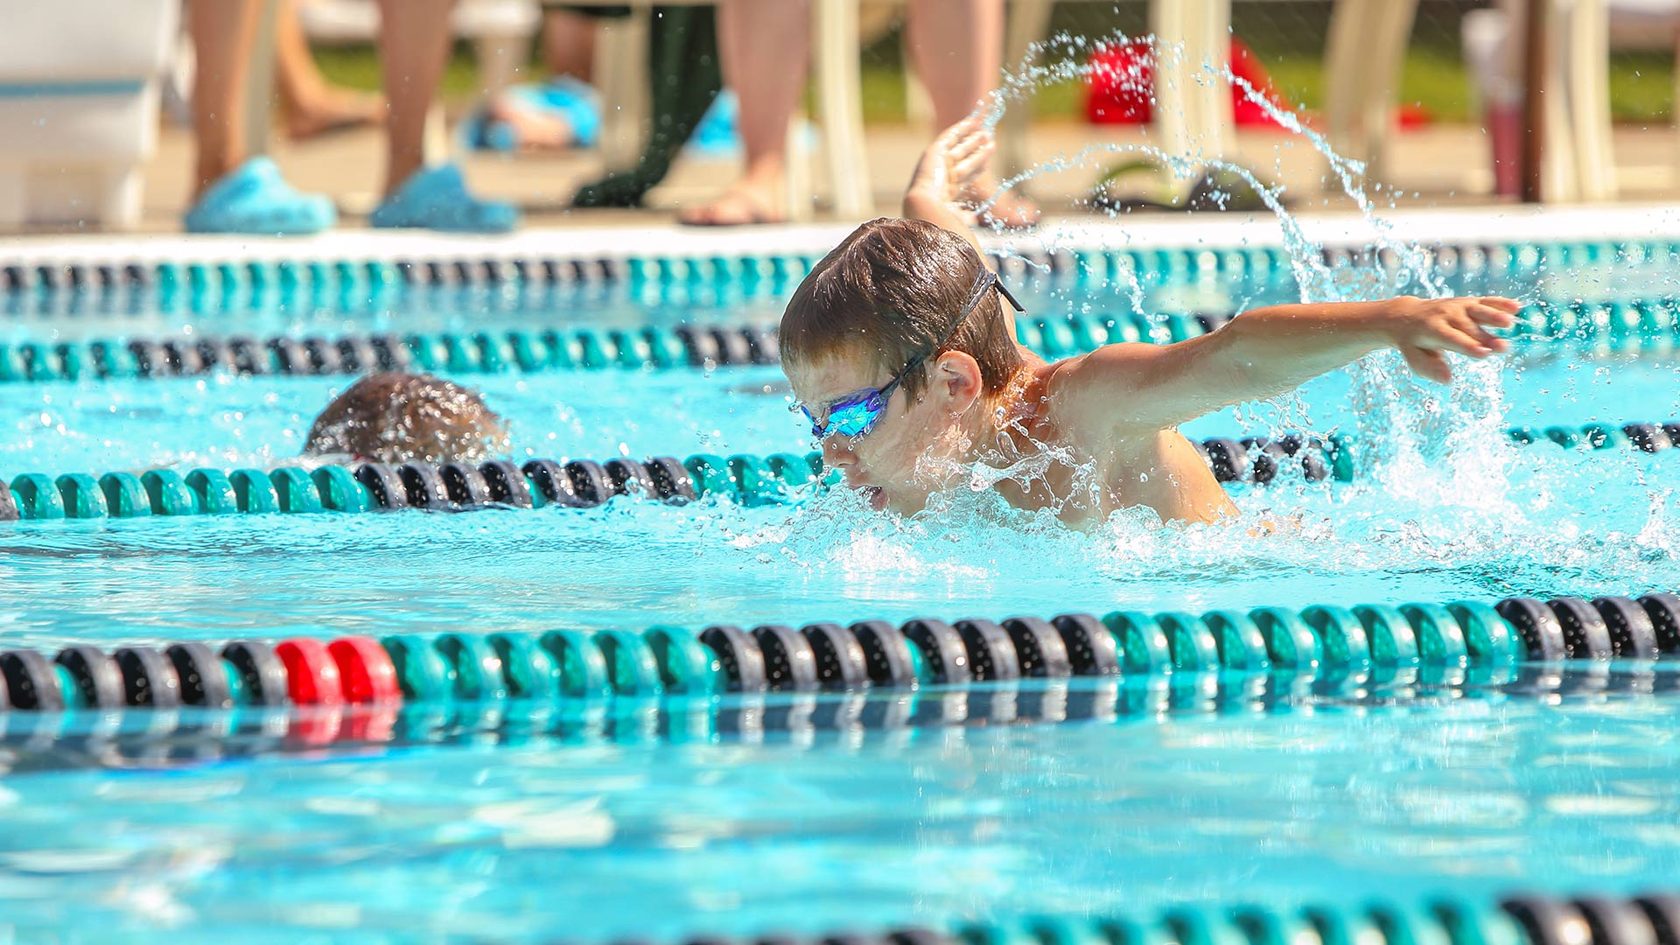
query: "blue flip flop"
255, 199
436, 198
575, 101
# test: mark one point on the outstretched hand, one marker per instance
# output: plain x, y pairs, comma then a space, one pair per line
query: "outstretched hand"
949, 167
1425, 328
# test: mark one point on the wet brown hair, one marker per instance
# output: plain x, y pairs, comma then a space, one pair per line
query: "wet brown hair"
395, 417
891, 289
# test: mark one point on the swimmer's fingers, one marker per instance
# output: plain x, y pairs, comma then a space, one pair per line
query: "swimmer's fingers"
971, 164
969, 142
1473, 328
963, 136
1488, 339
1453, 338
1492, 315
1427, 363
1501, 303
970, 123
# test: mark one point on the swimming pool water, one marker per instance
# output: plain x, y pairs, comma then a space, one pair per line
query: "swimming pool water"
1314, 798
262, 421
496, 838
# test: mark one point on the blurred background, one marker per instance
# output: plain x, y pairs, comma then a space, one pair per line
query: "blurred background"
1445, 77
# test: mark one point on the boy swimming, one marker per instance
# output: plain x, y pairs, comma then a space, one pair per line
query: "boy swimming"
902, 356
394, 417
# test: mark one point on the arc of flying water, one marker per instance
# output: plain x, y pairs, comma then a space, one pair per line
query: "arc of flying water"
1377, 391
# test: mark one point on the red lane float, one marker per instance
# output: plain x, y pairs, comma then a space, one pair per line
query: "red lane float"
311, 673
365, 670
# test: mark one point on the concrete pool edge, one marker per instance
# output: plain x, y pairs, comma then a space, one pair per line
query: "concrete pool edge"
1452, 226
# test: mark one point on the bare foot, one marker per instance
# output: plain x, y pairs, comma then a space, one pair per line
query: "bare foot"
745, 204
331, 110
1011, 211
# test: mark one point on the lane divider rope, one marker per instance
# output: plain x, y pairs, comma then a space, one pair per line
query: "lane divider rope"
581, 484
1521, 919
1375, 641
1112, 265
480, 352
660, 348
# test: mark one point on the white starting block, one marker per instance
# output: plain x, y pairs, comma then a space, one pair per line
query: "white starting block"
79, 86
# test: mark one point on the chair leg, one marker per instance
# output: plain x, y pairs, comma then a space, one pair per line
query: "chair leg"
1588, 42
1172, 70
1028, 23
799, 185
835, 42
1192, 101
621, 67
259, 84
119, 201
1559, 181
1392, 21
1210, 29
1676, 150
1345, 57
499, 58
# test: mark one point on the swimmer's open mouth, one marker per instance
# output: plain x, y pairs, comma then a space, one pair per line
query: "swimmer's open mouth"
874, 496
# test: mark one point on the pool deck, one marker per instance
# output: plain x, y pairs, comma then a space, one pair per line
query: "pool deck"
1441, 166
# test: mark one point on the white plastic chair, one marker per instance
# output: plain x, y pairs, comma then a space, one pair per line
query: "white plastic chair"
79, 108
1362, 62
1367, 47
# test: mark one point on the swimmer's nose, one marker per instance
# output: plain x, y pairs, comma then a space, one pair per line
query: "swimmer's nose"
837, 453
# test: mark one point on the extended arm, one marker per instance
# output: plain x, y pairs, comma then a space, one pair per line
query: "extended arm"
1267, 351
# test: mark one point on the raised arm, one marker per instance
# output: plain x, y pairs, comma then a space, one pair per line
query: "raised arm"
1268, 351
954, 159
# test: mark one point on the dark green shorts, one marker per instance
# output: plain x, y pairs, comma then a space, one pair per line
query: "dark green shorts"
599, 12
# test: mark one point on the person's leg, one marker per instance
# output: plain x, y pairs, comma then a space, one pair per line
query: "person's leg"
957, 46
223, 34
413, 49
765, 46
233, 193
568, 42
311, 105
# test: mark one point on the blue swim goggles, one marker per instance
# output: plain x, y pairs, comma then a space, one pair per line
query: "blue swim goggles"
855, 414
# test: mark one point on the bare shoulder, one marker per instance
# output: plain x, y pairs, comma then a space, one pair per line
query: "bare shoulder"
1093, 391
1108, 366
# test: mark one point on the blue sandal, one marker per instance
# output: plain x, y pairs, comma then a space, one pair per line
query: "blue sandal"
254, 199
436, 198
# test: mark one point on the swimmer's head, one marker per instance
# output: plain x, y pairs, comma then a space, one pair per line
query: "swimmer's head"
395, 417
898, 294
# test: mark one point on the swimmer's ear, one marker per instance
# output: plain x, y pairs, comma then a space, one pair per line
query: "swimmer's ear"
955, 377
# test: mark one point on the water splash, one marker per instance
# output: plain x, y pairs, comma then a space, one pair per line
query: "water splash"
1441, 488
1424, 443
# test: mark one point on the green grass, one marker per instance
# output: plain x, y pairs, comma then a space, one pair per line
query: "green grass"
357, 67
1641, 85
